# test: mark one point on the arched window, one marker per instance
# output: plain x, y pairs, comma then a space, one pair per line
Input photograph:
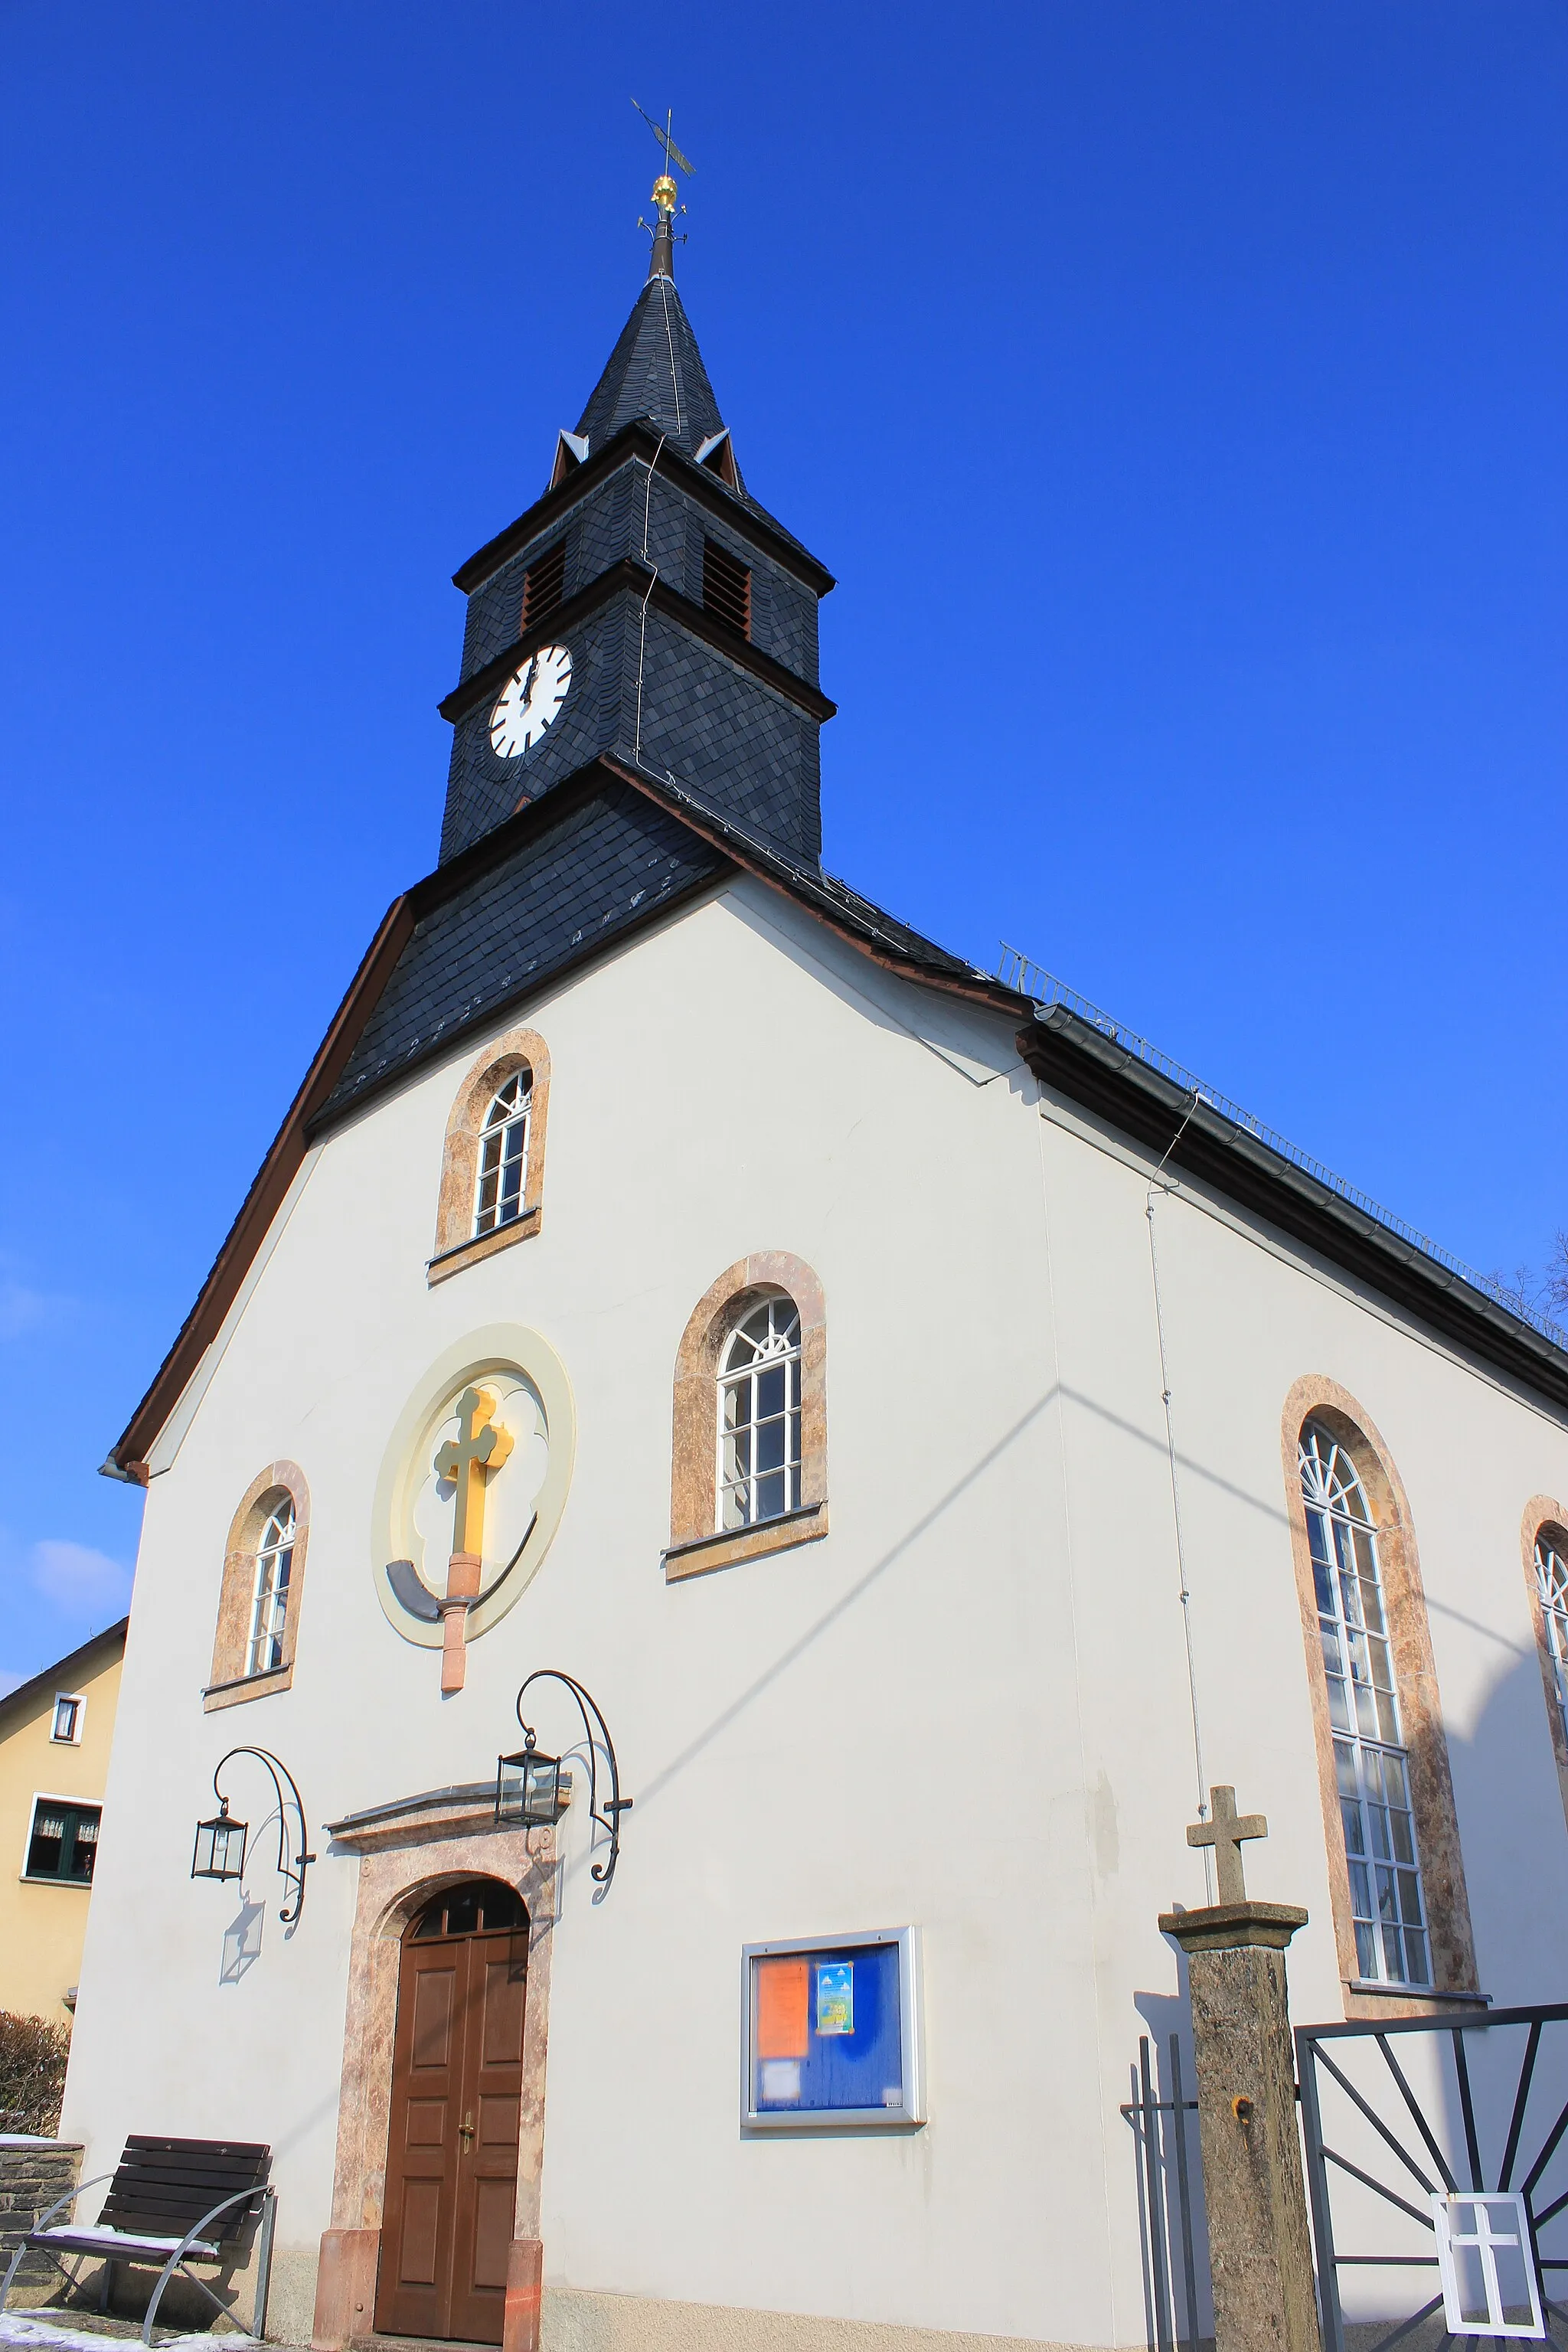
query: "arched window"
1395, 1870
759, 1417
1551, 1591
492, 1161
269, 1603
263, 1584
749, 1467
504, 1153
1545, 1534
1372, 1764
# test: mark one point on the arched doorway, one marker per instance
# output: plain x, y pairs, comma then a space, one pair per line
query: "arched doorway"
457, 2081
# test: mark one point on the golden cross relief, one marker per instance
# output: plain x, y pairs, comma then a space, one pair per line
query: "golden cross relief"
479, 1449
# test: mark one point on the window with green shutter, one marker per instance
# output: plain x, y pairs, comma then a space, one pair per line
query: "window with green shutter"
64, 1840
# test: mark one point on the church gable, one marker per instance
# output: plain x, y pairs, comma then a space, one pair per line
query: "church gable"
609, 861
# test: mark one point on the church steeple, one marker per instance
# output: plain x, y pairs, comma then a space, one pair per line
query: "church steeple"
645, 609
655, 371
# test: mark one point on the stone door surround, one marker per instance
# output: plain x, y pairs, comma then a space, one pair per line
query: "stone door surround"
408, 1852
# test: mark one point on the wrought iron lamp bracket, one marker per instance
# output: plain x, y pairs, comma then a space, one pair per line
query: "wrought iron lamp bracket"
291, 1873
606, 1816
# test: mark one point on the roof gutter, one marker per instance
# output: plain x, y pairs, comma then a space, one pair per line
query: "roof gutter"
1105, 1076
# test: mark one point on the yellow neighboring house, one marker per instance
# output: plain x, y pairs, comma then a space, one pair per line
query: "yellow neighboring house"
54, 1733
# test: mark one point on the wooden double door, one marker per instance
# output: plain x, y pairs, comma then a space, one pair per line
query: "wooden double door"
457, 2086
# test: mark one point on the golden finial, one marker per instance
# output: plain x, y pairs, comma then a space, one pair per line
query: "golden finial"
665, 195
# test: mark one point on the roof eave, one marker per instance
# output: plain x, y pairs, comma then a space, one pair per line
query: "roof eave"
1107, 1078
61, 1671
639, 439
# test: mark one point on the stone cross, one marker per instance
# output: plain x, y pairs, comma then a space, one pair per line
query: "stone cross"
1225, 1833
478, 1446
1261, 2253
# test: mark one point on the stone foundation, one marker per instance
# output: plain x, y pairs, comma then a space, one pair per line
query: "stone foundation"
576, 2321
33, 2173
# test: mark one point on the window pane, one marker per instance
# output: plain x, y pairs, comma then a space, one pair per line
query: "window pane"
1386, 1901
759, 1416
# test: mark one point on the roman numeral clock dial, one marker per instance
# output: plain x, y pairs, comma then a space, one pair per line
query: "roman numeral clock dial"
529, 702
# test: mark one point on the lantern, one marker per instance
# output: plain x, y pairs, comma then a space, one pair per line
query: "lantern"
529, 1791
220, 1846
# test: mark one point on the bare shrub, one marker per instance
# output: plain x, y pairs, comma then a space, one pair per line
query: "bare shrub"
33, 2054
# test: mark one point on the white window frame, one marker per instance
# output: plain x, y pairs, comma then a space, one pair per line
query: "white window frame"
77, 1805
1552, 1589
779, 1348
72, 1738
512, 1129
269, 1621
1370, 1757
1477, 2208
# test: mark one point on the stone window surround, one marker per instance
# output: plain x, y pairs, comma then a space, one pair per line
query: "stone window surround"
1317, 1398
695, 1547
1545, 1511
457, 1244
404, 1863
231, 1685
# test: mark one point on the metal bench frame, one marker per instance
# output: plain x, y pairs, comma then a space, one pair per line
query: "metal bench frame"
118, 2248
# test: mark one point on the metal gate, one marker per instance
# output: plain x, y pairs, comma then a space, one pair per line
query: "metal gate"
1437, 2170
1170, 2204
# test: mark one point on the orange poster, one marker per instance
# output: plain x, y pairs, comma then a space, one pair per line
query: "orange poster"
783, 2008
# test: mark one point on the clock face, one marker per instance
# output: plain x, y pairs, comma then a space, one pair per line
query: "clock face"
529, 702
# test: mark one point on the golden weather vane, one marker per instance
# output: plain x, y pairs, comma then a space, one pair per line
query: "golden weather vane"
665, 191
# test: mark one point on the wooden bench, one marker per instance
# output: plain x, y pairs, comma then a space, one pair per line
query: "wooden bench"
170, 2201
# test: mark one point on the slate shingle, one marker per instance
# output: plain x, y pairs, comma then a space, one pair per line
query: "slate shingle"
608, 864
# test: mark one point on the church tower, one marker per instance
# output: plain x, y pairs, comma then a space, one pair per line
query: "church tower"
644, 608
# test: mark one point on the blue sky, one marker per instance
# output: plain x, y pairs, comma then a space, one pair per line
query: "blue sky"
1176, 386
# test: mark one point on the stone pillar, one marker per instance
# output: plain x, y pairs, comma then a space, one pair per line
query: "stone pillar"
1259, 2249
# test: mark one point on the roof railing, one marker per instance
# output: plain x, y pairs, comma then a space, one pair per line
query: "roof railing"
1020, 972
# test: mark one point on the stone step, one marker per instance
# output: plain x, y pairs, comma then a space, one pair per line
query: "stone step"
412, 2344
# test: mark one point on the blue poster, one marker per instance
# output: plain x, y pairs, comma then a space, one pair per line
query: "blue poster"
853, 2054
835, 1997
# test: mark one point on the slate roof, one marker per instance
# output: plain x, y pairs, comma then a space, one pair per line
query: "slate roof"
824, 894
607, 862
603, 855
655, 371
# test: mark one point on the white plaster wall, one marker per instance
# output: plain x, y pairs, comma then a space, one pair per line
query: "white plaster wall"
966, 1707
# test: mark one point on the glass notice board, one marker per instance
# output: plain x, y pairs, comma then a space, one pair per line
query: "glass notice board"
832, 2033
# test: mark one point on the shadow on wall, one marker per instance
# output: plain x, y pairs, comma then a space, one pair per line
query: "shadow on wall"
1160, 2112
1514, 1839
242, 1942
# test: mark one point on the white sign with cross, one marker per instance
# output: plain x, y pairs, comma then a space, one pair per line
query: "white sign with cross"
1487, 2263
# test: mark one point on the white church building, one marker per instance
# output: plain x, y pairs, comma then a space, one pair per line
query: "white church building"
926, 1440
